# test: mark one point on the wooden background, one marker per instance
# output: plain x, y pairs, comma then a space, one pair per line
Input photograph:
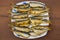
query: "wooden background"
54, 6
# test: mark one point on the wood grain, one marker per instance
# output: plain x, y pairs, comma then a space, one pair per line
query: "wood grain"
54, 34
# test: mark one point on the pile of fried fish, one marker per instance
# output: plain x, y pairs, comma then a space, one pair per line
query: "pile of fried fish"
29, 19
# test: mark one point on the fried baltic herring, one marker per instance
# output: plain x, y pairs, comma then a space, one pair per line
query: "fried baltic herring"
22, 8
33, 34
37, 12
36, 31
21, 23
23, 29
22, 34
40, 27
35, 21
19, 16
40, 31
35, 4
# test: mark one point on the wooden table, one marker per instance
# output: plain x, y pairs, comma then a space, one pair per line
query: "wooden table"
54, 34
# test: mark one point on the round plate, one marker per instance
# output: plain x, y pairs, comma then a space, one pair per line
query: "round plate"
31, 37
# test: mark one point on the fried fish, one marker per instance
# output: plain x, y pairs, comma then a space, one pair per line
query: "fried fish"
22, 34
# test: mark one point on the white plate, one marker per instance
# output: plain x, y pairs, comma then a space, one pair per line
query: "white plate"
42, 4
